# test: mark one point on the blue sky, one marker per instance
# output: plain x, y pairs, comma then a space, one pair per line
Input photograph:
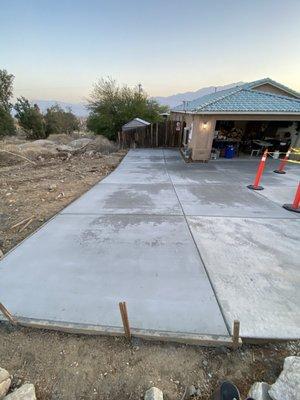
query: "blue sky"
57, 49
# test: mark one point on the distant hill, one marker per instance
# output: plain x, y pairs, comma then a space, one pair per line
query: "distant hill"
78, 109
176, 99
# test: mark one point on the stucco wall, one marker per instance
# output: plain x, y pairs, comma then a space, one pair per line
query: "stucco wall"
203, 128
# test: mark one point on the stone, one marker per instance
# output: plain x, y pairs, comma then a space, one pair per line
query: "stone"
52, 187
259, 391
191, 391
78, 143
25, 392
154, 394
287, 386
1, 253
64, 147
5, 382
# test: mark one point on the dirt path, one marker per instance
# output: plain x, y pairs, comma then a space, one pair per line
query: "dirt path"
83, 367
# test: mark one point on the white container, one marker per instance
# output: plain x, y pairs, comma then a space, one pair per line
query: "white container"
276, 154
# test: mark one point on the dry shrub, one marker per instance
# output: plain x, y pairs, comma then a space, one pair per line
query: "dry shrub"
102, 145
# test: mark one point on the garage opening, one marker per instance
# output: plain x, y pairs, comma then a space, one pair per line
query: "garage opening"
244, 138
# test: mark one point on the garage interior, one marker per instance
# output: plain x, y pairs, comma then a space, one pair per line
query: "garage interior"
244, 138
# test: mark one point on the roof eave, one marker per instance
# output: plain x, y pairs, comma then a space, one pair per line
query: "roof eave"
239, 112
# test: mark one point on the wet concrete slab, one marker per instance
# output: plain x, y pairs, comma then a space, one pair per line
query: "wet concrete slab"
78, 267
254, 267
180, 243
279, 195
221, 200
150, 156
114, 198
139, 173
244, 172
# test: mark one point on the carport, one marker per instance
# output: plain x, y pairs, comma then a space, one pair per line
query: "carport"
248, 117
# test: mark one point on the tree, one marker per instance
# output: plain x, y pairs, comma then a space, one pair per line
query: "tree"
111, 106
58, 120
30, 119
7, 126
6, 89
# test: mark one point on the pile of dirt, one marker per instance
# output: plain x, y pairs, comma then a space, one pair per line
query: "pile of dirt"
60, 138
14, 150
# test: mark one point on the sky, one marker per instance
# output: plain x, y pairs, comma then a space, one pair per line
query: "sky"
57, 49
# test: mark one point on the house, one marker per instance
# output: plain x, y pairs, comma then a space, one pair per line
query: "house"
248, 117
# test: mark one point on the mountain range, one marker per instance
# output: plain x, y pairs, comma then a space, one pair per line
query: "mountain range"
80, 109
176, 99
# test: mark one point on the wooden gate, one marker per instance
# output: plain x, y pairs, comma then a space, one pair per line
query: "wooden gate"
159, 134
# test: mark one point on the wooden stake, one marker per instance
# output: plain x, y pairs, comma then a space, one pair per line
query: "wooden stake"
236, 334
125, 320
22, 222
8, 314
25, 226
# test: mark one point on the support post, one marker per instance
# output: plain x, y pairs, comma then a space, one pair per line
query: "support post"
7, 314
236, 334
125, 320
151, 137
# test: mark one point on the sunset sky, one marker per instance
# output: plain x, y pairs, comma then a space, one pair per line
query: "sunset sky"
58, 49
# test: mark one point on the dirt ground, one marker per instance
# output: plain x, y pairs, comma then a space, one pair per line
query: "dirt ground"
40, 191
65, 366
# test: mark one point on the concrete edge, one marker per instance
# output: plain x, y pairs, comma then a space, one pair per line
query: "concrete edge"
151, 335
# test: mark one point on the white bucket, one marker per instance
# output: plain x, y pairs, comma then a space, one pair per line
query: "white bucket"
276, 155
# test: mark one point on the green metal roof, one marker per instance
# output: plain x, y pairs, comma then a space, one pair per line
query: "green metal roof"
244, 99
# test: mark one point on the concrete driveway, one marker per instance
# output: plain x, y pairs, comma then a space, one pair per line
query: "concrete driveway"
187, 246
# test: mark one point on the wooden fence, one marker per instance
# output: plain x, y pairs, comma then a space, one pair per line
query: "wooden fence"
160, 134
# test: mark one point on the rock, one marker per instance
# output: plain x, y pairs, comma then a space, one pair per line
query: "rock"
64, 147
78, 143
5, 382
1, 254
191, 391
25, 392
154, 394
259, 391
287, 386
52, 187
